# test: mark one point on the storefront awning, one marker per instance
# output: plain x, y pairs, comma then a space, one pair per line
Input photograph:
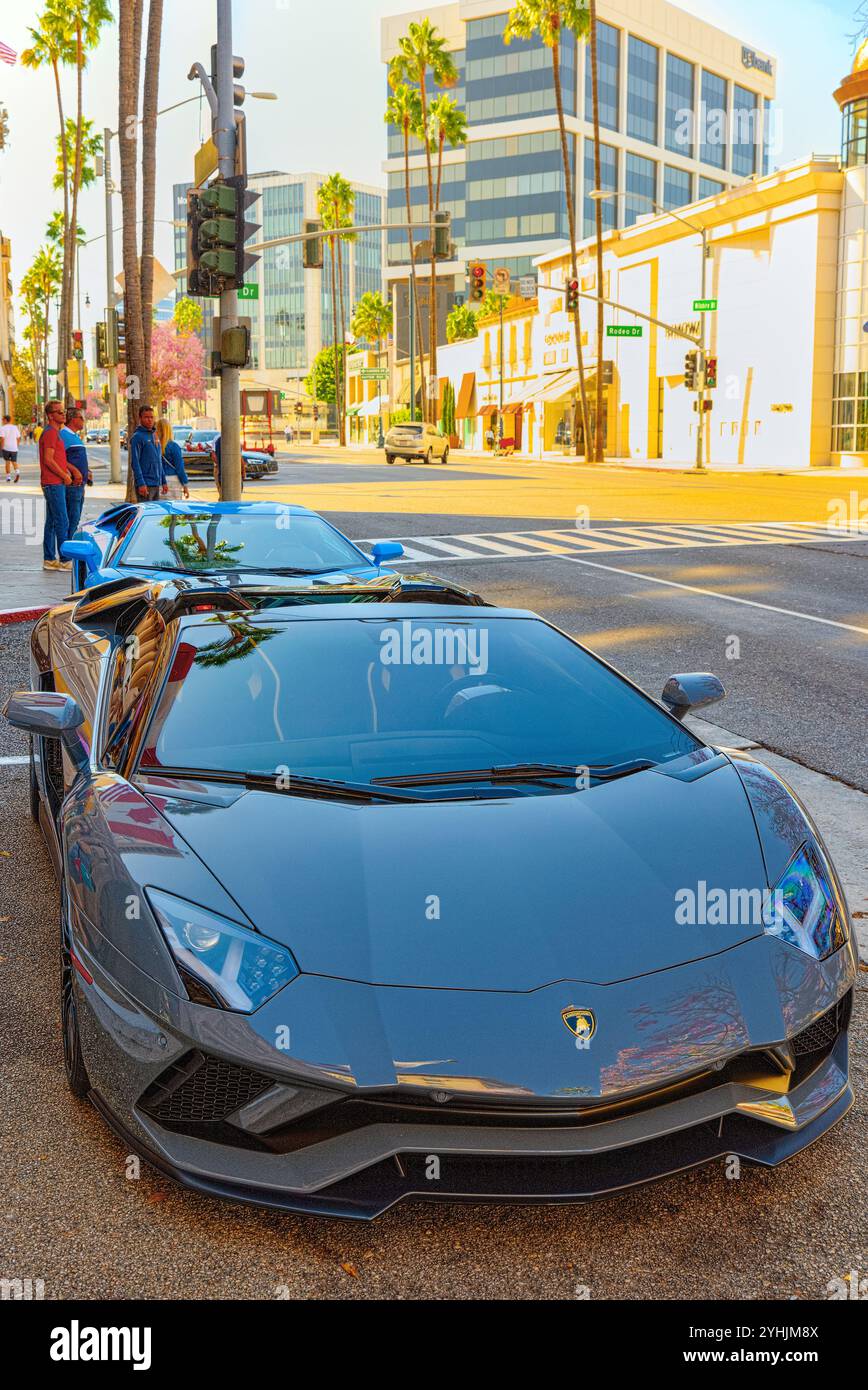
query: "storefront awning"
486, 410
556, 389
373, 407
465, 396
513, 408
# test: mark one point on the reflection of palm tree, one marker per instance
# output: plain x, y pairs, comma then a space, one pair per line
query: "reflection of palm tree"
244, 639
192, 551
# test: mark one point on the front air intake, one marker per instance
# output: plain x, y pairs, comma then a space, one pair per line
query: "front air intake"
198, 1089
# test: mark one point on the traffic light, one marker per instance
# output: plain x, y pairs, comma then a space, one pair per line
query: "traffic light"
312, 248
442, 236
235, 346
691, 370
572, 296
77, 344
711, 371
121, 338
216, 233
102, 358
478, 275
298, 407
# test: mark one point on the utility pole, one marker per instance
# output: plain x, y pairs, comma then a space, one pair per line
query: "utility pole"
700, 438
114, 427
224, 139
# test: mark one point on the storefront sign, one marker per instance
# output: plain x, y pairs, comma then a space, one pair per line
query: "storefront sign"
782, 409
624, 330
750, 59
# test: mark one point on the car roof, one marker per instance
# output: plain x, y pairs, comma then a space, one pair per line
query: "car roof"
333, 612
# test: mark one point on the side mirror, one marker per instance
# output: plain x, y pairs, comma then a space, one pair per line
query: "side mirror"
85, 549
691, 691
386, 550
49, 715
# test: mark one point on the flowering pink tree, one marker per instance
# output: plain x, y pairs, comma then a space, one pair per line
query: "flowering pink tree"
177, 365
95, 407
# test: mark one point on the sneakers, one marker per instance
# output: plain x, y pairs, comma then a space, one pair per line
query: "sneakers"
16, 478
51, 564
64, 564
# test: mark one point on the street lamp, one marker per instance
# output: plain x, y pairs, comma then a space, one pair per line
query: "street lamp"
600, 195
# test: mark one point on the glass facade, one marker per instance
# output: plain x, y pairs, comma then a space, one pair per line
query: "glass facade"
503, 84
745, 131
640, 187
677, 187
609, 77
713, 121
452, 187
708, 188
680, 83
608, 182
642, 76
515, 188
854, 147
395, 138
850, 419
282, 277
768, 135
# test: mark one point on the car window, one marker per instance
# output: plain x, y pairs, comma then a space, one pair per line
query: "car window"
134, 665
360, 698
208, 543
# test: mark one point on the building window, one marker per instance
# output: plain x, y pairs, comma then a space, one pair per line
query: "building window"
640, 185
745, 131
712, 120
608, 182
855, 143
609, 77
768, 135
850, 419
642, 69
679, 106
709, 188
677, 187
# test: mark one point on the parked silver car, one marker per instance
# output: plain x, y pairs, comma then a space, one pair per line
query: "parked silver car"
413, 440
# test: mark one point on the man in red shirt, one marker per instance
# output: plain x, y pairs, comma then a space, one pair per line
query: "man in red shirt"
55, 474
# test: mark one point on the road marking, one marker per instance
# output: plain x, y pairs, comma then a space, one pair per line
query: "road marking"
714, 593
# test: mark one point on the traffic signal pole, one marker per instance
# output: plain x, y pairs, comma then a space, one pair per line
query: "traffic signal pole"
114, 423
230, 377
700, 427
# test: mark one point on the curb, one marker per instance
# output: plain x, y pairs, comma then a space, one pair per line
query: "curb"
22, 615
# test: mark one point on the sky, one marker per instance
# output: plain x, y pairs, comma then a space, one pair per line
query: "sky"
323, 61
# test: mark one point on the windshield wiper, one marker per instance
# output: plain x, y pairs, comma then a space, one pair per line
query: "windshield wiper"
518, 772
298, 784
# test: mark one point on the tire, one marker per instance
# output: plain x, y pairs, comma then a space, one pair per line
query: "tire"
429, 457
445, 458
34, 787
77, 1078
390, 458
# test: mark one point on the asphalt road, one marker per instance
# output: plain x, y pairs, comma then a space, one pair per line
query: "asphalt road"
70, 1214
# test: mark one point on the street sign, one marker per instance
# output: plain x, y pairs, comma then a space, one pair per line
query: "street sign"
374, 373
624, 330
205, 162
527, 287
704, 306
248, 291
502, 280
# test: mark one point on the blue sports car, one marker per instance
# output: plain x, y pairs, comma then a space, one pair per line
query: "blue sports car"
364, 900
229, 542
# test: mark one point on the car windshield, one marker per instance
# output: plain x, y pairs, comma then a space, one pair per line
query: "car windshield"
209, 543
410, 429
203, 436
363, 698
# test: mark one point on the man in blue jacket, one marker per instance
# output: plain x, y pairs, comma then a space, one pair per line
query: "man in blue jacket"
76, 456
146, 458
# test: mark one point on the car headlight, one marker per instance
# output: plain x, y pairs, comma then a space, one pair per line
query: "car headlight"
238, 968
804, 908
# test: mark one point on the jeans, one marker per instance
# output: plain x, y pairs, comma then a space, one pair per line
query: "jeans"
74, 504
153, 494
56, 529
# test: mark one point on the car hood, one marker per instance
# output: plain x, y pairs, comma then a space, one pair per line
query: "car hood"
510, 893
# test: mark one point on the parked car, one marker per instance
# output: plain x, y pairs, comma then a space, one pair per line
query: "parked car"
152, 539
415, 441
198, 451
283, 1019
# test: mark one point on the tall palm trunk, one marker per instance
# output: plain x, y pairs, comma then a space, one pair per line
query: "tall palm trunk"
428, 406
61, 340
598, 218
72, 227
149, 184
129, 62
571, 218
343, 417
339, 405
414, 289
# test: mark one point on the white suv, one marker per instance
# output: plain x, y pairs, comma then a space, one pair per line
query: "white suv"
413, 440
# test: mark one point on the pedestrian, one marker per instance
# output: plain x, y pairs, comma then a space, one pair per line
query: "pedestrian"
55, 476
173, 461
287, 432
146, 459
76, 456
10, 436
216, 451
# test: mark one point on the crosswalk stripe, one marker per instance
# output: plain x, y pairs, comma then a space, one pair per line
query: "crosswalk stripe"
485, 544
411, 552
456, 551
534, 542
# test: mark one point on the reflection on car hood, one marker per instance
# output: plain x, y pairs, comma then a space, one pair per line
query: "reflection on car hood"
510, 893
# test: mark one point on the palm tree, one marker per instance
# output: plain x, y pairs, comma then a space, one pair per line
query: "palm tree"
335, 200
404, 111
149, 182
461, 324
52, 46
372, 321
129, 66
598, 221
422, 50
548, 19
446, 122
38, 287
